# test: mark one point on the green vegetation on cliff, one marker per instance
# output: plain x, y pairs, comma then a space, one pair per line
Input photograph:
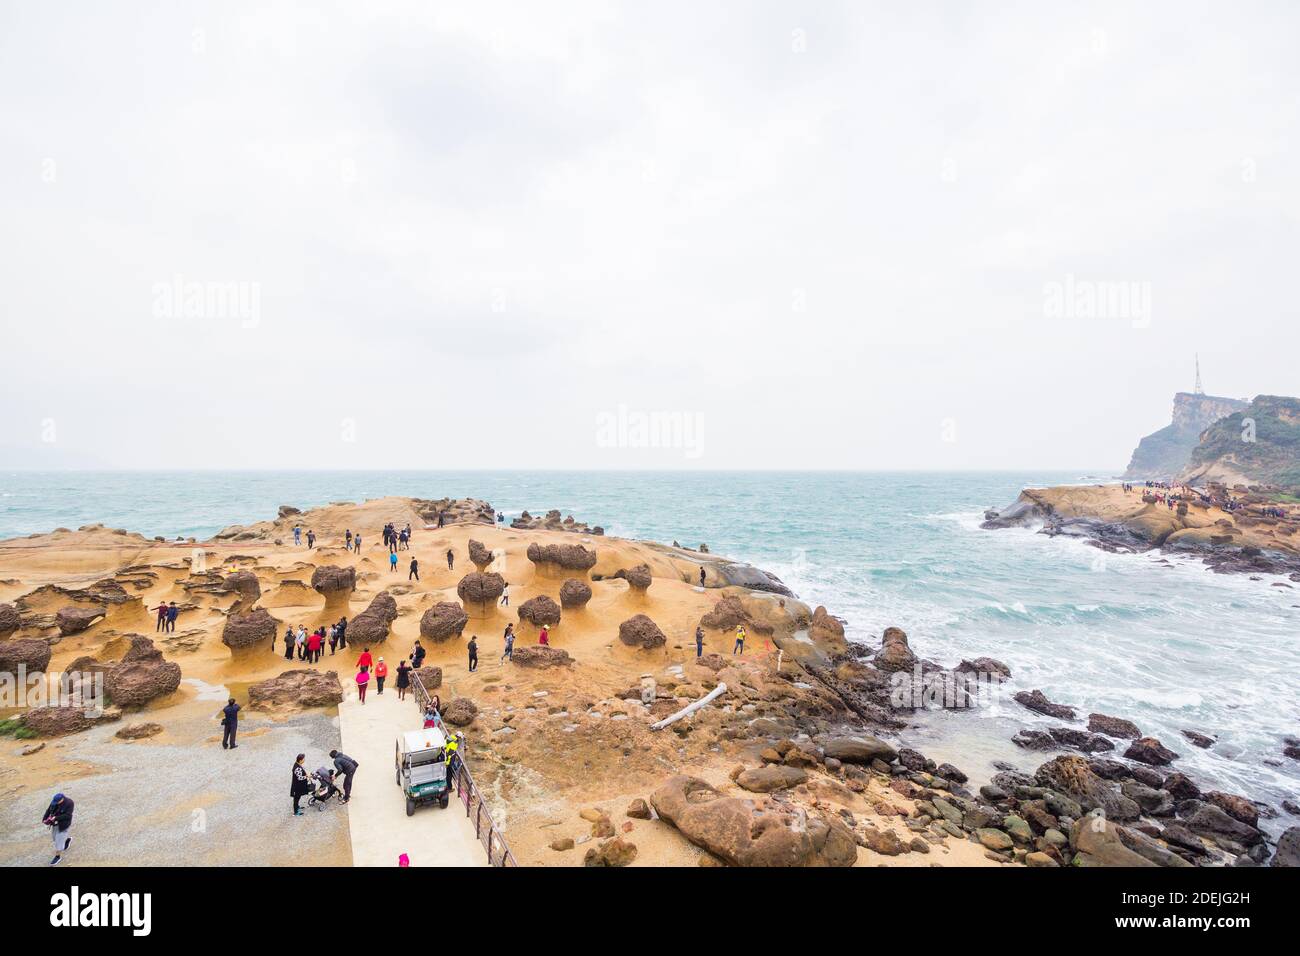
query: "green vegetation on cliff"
1163, 454
1259, 444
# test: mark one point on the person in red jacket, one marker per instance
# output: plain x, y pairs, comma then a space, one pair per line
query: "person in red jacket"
313, 647
381, 671
365, 661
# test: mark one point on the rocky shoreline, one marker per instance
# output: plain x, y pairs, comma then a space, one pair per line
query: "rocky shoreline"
1223, 543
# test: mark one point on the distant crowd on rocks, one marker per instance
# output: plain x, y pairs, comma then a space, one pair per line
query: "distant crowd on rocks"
1173, 494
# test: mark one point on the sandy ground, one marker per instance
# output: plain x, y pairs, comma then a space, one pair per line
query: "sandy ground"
174, 799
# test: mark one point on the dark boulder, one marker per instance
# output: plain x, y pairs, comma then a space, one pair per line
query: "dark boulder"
480, 590
333, 582
1072, 777
1037, 701
567, 557
479, 555
143, 675
10, 620
640, 631
638, 578
1113, 726
371, 626
540, 610
246, 585
574, 593
296, 688
460, 712
248, 630
1149, 750
32, 656
543, 656
74, 620
58, 721
727, 614
442, 622
894, 653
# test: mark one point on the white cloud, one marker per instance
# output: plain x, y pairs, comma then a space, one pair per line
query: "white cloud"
476, 227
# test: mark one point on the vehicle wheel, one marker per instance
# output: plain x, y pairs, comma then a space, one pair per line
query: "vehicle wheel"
397, 776
444, 801
410, 807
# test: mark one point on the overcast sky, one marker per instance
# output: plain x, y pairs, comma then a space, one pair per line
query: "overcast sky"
509, 235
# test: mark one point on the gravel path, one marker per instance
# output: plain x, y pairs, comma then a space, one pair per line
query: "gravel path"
157, 802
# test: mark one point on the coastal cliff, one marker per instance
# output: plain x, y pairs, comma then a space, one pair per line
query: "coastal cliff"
1164, 453
1257, 444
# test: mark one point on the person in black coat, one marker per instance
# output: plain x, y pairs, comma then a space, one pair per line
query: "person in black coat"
301, 783
346, 766
229, 724
58, 817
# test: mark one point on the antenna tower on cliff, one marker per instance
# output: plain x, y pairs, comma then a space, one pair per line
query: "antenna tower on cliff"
1199, 390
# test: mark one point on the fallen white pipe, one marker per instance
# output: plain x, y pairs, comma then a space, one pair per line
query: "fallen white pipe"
690, 708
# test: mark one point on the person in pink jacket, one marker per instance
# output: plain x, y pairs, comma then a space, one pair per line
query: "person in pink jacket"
363, 679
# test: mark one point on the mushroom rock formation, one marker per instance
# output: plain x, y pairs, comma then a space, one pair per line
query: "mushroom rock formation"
540, 655
287, 511
430, 676
557, 559
894, 654
74, 620
640, 631
638, 579
245, 584
296, 688
539, 610
574, 593
10, 620
32, 656
371, 625
443, 621
460, 712
335, 583
479, 591
479, 555
143, 675
727, 613
247, 630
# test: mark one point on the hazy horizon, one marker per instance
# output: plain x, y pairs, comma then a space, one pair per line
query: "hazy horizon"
747, 237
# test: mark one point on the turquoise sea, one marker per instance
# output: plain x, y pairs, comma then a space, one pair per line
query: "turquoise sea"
1169, 647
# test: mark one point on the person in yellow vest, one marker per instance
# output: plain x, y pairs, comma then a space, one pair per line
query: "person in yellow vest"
740, 641
449, 752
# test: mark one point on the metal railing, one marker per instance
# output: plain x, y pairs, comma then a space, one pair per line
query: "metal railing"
494, 844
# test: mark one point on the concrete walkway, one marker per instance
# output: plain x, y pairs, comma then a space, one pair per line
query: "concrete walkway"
381, 831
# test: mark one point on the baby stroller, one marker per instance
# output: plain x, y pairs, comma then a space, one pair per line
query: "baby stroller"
324, 790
